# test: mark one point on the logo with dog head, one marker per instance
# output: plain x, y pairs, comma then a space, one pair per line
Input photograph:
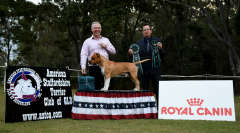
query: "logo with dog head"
24, 86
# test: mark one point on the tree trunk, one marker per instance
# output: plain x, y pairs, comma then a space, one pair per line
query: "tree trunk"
125, 40
134, 29
235, 67
225, 35
8, 51
81, 43
73, 33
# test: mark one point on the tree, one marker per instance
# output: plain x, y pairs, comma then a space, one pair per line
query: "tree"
122, 19
8, 19
223, 31
6, 44
11, 13
40, 42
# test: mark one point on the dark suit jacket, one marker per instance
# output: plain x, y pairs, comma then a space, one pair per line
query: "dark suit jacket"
147, 66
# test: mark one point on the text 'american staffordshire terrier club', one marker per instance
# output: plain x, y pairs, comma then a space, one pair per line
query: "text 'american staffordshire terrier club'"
111, 69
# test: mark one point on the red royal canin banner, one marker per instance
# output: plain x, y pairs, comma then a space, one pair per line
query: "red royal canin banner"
196, 100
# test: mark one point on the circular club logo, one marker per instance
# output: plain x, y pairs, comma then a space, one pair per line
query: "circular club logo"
24, 86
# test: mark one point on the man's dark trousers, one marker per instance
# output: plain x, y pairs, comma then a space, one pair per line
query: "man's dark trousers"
145, 80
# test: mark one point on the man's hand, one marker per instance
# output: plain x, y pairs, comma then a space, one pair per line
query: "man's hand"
84, 71
130, 52
103, 45
159, 45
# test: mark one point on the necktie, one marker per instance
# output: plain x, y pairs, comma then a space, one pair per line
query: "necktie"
147, 45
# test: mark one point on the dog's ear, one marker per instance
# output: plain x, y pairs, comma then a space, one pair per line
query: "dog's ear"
98, 55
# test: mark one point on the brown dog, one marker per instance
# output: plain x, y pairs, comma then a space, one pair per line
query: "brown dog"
111, 69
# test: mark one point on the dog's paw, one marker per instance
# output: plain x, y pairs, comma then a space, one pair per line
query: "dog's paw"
104, 89
135, 89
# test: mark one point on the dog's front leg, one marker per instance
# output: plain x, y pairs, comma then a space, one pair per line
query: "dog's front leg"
106, 84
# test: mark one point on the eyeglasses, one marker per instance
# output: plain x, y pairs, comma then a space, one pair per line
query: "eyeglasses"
146, 30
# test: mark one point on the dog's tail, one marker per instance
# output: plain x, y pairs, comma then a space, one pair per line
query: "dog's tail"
141, 61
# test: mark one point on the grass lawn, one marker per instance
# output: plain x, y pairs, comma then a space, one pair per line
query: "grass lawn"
131, 125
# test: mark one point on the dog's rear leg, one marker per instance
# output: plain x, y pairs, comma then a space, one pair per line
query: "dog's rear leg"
136, 81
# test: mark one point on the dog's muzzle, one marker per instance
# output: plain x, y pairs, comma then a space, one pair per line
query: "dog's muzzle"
92, 63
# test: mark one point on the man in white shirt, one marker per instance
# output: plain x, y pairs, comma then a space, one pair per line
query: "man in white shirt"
96, 43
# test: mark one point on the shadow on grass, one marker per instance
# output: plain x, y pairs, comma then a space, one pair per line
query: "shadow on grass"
237, 118
4, 131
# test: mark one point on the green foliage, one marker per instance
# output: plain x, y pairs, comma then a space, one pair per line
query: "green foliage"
49, 34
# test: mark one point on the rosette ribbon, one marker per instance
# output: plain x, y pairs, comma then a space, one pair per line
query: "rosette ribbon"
156, 61
136, 57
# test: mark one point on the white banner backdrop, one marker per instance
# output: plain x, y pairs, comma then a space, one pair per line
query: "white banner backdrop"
196, 100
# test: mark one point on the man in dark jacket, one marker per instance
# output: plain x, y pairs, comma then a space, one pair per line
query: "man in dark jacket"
145, 52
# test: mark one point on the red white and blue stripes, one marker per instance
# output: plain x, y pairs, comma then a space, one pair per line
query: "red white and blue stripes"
114, 105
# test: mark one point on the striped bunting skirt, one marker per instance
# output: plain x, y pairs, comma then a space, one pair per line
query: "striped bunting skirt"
90, 105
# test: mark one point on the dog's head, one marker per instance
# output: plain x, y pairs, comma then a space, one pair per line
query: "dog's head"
24, 87
95, 59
